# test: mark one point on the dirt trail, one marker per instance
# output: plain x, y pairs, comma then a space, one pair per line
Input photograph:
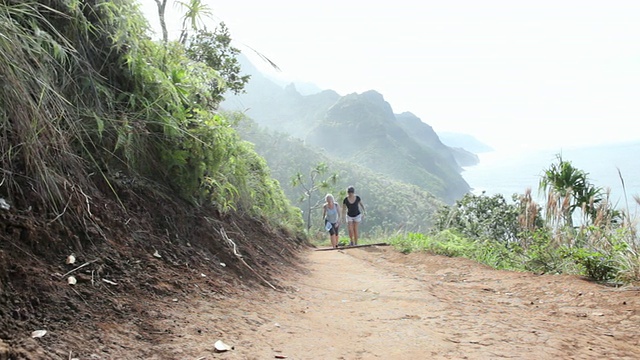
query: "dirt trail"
375, 303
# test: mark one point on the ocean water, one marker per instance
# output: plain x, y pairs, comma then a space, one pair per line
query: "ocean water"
607, 167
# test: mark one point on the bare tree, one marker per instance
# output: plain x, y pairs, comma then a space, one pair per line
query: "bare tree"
162, 4
311, 186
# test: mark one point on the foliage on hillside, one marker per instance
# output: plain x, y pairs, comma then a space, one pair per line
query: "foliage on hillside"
113, 150
88, 92
391, 205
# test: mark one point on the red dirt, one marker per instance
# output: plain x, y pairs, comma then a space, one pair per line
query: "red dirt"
122, 288
361, 303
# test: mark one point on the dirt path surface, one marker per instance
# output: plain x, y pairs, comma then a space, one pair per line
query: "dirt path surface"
376, 303
356, 303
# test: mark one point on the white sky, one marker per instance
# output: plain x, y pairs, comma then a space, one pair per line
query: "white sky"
515, 74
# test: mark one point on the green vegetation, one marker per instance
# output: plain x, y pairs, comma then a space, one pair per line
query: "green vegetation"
360, 129
88, 96
524, 236
391, 205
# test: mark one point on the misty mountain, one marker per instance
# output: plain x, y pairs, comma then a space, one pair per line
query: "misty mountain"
279, 107
303, 87
424, 134
361, 129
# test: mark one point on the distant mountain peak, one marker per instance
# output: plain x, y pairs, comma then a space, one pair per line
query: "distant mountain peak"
373, 95
291, 89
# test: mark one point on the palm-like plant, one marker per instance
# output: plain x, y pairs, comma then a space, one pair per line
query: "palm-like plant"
193, 18
567, 189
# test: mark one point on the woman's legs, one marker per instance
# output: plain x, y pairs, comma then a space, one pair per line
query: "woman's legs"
352, 229
355, 233
333, 235
353, 223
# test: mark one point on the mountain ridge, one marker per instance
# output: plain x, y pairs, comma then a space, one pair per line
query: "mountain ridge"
361, 128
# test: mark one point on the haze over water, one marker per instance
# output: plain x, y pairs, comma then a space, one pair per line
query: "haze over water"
506, 173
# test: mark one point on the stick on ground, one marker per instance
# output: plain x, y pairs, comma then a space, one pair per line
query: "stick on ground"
352, 247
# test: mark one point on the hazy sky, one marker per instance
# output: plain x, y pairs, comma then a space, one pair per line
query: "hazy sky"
514, 73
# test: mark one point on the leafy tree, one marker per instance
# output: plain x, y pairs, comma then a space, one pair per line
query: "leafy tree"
311, 184
210, 48
192, 20
214, 49
481, 217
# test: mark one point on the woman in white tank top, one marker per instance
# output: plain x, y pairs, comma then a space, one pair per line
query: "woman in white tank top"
331, 216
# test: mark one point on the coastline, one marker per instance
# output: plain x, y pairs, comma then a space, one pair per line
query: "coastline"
610, 167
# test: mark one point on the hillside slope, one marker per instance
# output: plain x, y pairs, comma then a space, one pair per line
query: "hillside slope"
120, 189
133, 264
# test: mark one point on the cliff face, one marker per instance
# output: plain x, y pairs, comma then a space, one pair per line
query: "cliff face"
425, 135
363, 129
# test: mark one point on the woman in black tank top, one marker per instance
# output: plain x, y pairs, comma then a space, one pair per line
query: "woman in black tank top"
352, 206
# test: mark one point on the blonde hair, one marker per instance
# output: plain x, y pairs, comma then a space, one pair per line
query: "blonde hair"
329, 196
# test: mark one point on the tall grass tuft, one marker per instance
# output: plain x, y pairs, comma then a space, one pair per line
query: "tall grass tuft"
37, 122
86, 93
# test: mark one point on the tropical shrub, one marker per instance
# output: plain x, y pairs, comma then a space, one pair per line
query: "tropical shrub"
601, 243
597, 265
480, 217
